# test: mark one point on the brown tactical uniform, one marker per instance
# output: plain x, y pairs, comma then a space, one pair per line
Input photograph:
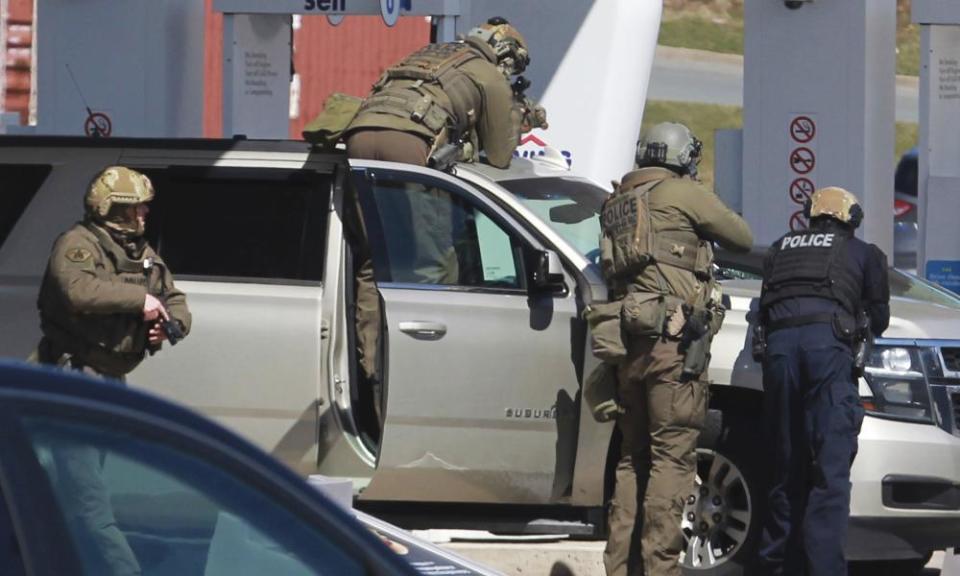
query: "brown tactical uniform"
417, 106
91, 314
436, 91
91, 301
663, 412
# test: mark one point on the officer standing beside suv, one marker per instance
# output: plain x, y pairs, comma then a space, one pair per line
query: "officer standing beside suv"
657, 259
106, 300
823, 289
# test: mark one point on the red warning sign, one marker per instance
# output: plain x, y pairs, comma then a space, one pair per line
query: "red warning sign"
802, 160
801, 189
798, 222
98, 124
803, 129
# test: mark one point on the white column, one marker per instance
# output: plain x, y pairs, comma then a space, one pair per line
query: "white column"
939, 162
819, 104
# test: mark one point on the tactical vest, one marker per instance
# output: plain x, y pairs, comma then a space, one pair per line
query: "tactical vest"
628, 242
812, 263
111, 343
429, 88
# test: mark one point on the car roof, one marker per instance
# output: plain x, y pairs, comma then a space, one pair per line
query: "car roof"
751, 261
521, 169
35, 383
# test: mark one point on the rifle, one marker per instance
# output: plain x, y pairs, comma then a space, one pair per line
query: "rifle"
534, 115
444, 157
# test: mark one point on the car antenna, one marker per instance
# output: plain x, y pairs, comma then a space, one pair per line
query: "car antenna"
96, 128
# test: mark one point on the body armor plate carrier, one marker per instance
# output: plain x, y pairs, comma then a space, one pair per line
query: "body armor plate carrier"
628, 242
812, 263
401, 91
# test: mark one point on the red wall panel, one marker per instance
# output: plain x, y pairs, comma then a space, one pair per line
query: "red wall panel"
346, 58
17, 55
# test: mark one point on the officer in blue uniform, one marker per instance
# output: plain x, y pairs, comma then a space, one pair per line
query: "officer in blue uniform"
822, 289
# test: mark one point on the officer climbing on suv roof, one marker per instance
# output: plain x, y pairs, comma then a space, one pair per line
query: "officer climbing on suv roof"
822, 288
443, 103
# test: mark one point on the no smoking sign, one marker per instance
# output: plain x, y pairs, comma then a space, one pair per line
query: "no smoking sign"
803, 129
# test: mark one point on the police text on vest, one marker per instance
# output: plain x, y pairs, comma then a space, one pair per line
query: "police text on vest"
823, 240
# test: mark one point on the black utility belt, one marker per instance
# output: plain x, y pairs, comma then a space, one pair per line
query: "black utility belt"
844, 325
794, 321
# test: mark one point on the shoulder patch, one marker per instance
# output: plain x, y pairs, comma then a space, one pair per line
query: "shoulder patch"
78, 255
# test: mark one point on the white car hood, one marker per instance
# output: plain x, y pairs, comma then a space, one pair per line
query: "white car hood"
916, 319
909, 318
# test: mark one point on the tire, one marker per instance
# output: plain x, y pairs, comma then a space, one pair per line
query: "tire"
721, 519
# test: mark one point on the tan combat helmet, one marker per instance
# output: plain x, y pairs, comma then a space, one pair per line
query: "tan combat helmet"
669, 144
114, 187
837, 203
507, 44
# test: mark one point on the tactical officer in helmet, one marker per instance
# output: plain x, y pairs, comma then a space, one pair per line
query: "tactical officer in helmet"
443, 103
457, 92
106, 300
823, 291
657, 258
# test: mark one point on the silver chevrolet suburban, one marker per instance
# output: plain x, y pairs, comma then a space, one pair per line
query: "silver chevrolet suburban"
480, 419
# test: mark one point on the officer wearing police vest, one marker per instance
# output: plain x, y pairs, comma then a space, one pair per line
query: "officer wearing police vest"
824, 291
443, 103
106, 300
657, 258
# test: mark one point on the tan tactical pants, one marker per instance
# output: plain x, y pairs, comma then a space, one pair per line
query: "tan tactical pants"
436, 260
660, 425
85, 497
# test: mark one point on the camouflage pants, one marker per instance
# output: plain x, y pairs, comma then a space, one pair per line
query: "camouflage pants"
660, 425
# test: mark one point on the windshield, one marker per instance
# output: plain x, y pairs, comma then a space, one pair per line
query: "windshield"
571, 206
905, 285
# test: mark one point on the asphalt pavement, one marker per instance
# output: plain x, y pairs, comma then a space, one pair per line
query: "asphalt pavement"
555, 556
685, 75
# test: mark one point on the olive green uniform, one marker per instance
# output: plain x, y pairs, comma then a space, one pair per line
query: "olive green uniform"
91, 301
91, 314
437, 93
663, 411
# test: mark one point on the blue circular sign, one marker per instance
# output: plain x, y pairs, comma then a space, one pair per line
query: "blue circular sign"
390, 11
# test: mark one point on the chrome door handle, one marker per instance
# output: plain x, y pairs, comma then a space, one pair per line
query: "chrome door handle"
424, 330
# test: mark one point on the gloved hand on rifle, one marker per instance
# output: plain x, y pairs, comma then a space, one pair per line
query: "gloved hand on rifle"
534, 116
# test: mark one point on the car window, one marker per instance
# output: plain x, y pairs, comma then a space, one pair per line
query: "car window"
10, 557
905, 285
570, 206
263, 225
137, 506
20, 184
424, 234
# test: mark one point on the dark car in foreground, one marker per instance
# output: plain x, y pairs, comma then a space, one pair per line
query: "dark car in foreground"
189, 497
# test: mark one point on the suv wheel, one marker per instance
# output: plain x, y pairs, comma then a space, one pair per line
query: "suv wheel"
721, 523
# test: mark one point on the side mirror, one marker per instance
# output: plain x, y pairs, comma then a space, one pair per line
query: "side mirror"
546, 272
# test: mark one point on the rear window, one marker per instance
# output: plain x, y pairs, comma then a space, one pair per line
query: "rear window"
240, 224
18, 185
